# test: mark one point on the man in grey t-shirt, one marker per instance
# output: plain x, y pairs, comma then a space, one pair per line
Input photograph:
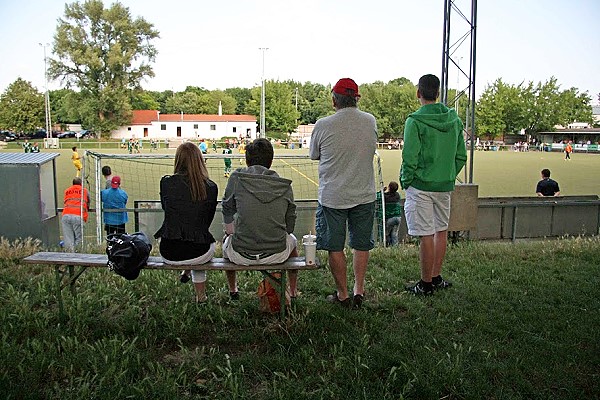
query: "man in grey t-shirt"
345, 143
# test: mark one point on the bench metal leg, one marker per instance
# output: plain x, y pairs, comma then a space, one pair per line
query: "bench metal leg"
61, 309
59, 274
280, 284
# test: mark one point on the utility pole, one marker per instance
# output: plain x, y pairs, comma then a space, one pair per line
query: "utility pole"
262, 94
47, 94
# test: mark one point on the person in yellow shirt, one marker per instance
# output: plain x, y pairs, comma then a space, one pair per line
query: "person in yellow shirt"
76, 160
242, 150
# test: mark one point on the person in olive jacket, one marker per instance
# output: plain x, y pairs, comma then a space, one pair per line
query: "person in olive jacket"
259, 214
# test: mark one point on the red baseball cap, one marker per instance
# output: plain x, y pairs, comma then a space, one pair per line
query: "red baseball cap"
346, 87
115, 182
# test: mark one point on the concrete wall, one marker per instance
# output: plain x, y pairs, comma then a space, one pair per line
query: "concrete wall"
535, 217
492, 218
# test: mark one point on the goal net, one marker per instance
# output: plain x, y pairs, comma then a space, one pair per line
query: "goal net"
140, 178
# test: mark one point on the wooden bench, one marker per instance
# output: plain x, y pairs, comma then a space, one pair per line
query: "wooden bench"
84, 261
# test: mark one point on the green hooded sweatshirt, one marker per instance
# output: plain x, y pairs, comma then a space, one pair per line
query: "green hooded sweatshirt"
434, 149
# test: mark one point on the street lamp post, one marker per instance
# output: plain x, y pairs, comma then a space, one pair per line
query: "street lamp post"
262, 94
47, 94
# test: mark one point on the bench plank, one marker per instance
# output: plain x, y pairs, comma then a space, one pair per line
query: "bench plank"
100, 260
83, 260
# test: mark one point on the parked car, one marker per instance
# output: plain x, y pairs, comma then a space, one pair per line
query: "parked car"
85, 134
67, 134
7, 136
39, 134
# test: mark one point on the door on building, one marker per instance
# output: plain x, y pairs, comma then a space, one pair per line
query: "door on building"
145, 132
178, 131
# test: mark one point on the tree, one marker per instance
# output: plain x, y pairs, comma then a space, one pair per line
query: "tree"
575, 107
543, 104
314, 101
183, 102
143, 100
242, 96
390, 103
209, 102
161, 98
65, 107
503, 108
281, 117
104, 53
21, 107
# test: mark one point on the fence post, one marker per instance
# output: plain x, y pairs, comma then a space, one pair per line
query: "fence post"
514, 224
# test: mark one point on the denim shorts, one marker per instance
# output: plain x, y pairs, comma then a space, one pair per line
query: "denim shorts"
331, 227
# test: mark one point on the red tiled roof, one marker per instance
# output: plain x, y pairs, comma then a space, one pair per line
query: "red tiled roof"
145, 117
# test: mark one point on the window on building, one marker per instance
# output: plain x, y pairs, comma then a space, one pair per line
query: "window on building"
128, 128
213, 127
163, 127
234, 129
195, 126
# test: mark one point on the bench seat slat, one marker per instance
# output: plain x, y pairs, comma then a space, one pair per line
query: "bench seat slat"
100, 260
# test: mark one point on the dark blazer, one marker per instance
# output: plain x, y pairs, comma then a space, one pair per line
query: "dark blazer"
185, 219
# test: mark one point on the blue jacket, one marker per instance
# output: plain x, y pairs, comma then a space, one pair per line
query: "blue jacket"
111, 199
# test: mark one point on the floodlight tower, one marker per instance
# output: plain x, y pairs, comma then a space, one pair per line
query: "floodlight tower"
262, 94
448, 55
47, 94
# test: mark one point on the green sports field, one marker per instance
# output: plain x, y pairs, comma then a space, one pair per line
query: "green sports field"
508, 173
498, 173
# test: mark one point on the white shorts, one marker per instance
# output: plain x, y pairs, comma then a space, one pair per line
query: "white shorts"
197, 276
426, 212
237, 258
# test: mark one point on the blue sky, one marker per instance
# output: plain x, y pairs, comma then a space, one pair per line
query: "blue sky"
215, 44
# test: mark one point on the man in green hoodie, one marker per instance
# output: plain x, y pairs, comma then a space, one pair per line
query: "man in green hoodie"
433, 155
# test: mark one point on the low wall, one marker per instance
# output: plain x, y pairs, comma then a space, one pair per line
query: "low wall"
487, 218
535, 217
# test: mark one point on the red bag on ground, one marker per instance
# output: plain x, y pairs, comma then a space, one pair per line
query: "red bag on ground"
269, 296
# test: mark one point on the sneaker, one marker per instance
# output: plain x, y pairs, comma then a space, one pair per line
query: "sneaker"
334, 299
357, 301
235, 296
184, 277
440, 284
201, 300
418, 289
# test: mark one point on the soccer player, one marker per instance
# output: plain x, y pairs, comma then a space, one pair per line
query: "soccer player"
227, 161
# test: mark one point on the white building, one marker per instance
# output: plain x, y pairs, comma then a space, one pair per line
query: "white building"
596, 114
302, 135
151, 124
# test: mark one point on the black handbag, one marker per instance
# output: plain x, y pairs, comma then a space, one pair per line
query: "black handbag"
127, 253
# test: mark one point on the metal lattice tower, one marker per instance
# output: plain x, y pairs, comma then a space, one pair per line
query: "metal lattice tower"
456, 47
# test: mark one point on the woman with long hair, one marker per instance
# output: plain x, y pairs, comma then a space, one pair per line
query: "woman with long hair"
189, 200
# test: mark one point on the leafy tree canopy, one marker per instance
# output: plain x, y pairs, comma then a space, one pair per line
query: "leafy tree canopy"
280, 110
22, 107
105, 53
390, 103
505, 108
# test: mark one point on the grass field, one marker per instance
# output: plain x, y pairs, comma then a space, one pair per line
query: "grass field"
498, 173
520, 322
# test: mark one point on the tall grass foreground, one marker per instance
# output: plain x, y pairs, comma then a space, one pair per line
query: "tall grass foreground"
521, 321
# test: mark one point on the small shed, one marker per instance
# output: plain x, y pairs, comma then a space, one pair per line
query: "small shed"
28, 199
